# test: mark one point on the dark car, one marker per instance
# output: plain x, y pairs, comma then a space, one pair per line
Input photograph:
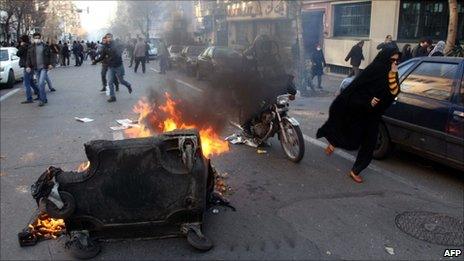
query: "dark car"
427, 117
218, 61
174, 54
189, 58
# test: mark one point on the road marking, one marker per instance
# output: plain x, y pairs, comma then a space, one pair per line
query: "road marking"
153, 69
8, 94
189, 85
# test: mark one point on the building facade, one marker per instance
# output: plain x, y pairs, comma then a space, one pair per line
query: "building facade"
338, 25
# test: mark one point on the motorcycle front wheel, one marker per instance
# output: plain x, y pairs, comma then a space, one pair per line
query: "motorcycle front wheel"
293, 145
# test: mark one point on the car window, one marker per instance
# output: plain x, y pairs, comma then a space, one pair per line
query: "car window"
225, 53
404, 67
433, 80
3, 55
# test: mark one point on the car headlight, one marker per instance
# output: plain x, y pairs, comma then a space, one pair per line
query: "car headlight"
283, 99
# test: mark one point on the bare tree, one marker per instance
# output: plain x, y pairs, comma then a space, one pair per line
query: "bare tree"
7, 18
452, 25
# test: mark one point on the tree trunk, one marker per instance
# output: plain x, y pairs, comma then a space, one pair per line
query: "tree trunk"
452, 25
299, 31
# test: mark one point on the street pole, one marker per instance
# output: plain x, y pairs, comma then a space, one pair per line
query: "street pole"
299, 30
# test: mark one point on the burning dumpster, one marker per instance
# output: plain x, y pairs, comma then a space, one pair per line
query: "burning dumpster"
153, 187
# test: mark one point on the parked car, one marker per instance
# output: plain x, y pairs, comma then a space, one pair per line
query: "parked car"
189, 58
153, 48
174, 54
10, 72
427, 117
218, 60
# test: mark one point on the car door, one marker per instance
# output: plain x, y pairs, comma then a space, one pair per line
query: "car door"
455, 127
15, 65
395, 117
428, 90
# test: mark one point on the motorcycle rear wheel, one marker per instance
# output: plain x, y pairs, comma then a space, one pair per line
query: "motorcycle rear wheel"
294, 148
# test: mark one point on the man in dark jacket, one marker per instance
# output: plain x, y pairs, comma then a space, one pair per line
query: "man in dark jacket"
421, 49
388, 43
112, 52
104, 69
39, 61
75, 49
65, 55
356, 56
28, 80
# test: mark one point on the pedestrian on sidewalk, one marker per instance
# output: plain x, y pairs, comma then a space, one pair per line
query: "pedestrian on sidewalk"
139, 54
39, 61
438, 50
113, 52
55, 49
65, 55
355, 56
318, 65
28, 80
387, 43
422, 48
406, 53
355, 114
104, 69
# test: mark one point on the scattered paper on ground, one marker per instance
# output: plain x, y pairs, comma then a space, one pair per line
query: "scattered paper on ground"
117, 128
260, 151
127, 122
83, 119
390, 250
239, 139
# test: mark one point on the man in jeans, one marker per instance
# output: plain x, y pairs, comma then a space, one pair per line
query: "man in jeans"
39, 61
104, 69
112, 52
27, 76
139, 54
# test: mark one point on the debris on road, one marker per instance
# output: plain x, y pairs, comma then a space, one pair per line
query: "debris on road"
238, 138
85, 120
127, 122
215, 211
390, 250
261, 151
118, 128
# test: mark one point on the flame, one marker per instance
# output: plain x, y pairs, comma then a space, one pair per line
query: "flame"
47, 227
166, 117
83, 166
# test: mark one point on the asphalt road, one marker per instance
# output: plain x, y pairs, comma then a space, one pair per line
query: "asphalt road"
310, 210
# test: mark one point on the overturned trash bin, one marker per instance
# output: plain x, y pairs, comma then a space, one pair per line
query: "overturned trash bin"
154, 187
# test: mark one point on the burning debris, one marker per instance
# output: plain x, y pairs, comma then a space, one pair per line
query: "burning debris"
154, 119
116, 193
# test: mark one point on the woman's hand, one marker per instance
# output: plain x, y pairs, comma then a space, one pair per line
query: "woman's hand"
394, 67
375, 101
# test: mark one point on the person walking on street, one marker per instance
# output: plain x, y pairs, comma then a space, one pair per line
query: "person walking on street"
39, 61
75, 50
139, 54
104, 69
28, 80
113, 51
355, 56
163, 57
65, 55
130, 51
60, 55
421, 49
388, 43
439, 49
406, 53
355, 114
82, 51
318, 64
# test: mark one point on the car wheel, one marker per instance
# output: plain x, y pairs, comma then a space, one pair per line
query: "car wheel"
11, 79
383, 146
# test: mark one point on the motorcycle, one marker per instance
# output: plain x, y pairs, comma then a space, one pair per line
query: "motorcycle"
274, 120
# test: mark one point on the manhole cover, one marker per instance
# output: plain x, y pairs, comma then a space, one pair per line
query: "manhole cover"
432, 227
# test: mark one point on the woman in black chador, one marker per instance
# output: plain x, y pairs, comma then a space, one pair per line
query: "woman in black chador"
355, 114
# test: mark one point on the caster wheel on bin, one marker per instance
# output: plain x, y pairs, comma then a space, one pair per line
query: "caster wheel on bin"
199, 241
69, 205
81, 246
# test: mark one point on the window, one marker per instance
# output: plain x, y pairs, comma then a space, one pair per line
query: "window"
433, 80
3, 55
352, 19
427, 18
404, 67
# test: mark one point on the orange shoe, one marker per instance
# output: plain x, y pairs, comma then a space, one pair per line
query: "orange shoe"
329, 149
355, 177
